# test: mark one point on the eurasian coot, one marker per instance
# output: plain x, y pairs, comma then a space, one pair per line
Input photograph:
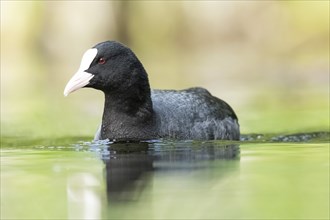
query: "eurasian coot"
133, 112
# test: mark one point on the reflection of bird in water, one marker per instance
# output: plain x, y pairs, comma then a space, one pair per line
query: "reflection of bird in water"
130, 166
126, 170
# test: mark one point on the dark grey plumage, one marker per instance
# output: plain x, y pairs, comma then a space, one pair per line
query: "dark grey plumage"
132, 112
193, 114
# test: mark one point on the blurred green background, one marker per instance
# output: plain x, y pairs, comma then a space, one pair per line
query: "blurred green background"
268, 59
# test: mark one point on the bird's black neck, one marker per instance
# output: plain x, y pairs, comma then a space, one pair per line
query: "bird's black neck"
127, 114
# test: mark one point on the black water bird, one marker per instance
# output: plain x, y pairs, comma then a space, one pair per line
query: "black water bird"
134, 112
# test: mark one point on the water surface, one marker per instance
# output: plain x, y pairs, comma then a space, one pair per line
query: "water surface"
264, 178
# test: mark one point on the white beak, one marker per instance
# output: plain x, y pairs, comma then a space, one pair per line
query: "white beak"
81, 78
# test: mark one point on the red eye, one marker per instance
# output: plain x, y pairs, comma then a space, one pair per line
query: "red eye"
101, 60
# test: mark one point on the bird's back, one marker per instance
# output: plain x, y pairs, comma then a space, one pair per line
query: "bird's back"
193, 114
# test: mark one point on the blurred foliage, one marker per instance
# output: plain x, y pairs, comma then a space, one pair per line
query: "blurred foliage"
268, 59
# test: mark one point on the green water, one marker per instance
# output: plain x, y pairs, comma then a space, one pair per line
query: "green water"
71, 179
